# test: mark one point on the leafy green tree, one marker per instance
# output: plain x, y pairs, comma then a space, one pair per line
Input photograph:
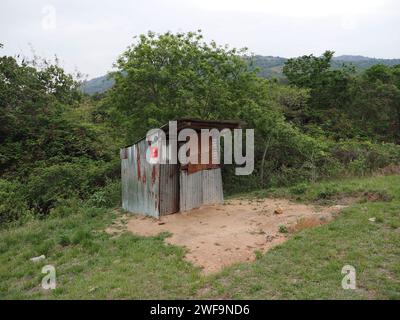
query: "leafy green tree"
34, 127
308, 71
329, 89
376, 102
165, 76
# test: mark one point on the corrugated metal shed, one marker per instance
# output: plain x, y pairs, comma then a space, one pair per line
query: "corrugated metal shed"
160, 189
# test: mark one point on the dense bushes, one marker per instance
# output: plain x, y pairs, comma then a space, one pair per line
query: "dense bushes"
363, 157
60, 189
79, 179
50, 152
299, 158
346, 104
13, 202
108, 196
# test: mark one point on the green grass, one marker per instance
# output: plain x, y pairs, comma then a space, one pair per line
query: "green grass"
93, 264
329, 192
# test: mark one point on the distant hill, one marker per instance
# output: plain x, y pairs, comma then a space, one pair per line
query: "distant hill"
269, 67
97, 85
362, 63
350, 58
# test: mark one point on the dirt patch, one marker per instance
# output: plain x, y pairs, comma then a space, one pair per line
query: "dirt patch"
217, 236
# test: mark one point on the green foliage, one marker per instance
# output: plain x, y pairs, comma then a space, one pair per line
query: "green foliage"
360, 158
376, 103
51, 151
48, 185
63, 240
66, 207
109, 196
34, 104
283, 229
343, 104
13, 203
308, 71
329, 89
165, 76
299, 189
267, 67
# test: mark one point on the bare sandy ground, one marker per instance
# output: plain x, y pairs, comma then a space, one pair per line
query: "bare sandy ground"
220, 235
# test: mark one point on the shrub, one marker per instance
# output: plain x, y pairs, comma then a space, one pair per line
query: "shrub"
67, 207
13, 205
328, 191
50, 185
109, 196
283, 229
299, 189
363, 157
64, 240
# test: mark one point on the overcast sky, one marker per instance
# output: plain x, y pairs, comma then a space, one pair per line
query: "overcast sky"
88, 35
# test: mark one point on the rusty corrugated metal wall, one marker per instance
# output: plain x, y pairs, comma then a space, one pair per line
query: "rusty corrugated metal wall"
202, 187
169, 188
140, 181
212, 186
156, 190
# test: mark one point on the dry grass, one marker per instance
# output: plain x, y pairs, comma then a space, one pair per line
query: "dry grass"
306, 223
390, 170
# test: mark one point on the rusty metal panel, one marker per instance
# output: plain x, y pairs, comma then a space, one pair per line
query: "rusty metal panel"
191, 195
212, 186
202, 187
169, 183
169, 188
140, 181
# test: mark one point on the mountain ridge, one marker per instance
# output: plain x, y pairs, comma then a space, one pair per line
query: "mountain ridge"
269, 67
